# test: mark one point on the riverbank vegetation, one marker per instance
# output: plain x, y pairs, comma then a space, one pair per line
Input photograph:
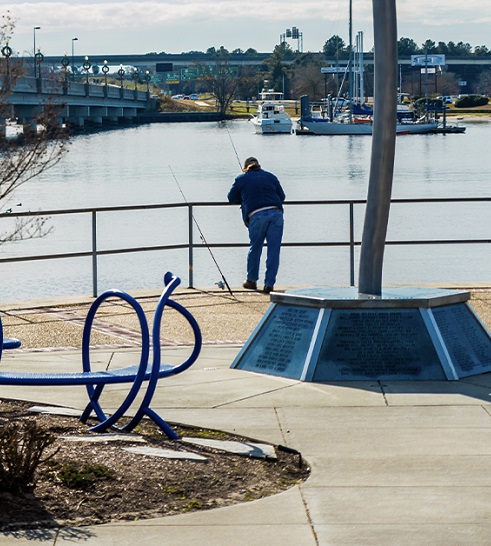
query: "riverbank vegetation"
296, 73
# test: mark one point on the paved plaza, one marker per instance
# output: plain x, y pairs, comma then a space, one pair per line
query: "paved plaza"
393, 463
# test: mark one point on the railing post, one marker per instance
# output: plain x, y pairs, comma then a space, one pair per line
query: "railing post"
352, 243
190, 247
94, 254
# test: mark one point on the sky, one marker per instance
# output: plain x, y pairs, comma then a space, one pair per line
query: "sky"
175, 26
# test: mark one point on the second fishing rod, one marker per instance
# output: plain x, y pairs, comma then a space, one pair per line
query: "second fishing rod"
201, 234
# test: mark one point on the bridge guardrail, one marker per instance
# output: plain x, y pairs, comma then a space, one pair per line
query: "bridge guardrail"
28, 85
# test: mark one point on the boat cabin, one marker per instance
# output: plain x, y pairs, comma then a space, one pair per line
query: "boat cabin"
271, 95
270, 110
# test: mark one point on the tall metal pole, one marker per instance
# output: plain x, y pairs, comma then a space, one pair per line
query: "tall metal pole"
73, 58
350, 62
34, 50
383, 147
426, 84
361, 67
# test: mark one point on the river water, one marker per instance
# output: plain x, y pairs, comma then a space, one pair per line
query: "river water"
137, 165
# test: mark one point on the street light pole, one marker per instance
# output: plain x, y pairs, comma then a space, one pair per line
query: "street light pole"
121, 73
34, 50
86, 67
105, 70
38, 58
73, 58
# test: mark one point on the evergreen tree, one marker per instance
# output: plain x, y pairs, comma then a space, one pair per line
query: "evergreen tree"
334, 46
407, 47
428, 46
481, 51
277, 72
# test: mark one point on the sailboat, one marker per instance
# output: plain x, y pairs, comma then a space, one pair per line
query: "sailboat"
359, 119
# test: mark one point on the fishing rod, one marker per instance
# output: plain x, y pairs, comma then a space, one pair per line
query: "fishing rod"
203, 238
233, 146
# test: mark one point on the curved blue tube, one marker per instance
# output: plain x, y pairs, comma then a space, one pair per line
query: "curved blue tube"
94, 393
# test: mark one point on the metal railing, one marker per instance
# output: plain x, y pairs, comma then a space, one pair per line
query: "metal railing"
94, 253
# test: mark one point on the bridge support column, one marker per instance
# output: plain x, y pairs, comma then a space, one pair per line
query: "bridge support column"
55, 127
97, 114
129, 114
3, 127
25, 113
78, 111
113, 115
76, 123
77, 116
95, 121
30, 128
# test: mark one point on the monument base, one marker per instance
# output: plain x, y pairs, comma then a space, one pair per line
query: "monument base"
336, 334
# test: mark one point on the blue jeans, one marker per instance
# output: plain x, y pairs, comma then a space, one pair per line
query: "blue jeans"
266, 225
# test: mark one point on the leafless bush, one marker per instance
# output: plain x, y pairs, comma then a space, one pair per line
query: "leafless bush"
21, 449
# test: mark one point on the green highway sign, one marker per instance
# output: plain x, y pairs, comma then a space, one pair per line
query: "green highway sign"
172, 77
218, 70
207, 70
189, 74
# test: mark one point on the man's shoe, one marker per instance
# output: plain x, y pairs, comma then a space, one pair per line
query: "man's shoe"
268, 289
250, 285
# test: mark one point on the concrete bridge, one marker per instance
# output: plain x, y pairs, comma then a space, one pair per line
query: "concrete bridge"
80, 103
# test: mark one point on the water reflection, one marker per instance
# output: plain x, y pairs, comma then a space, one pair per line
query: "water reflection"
131, 166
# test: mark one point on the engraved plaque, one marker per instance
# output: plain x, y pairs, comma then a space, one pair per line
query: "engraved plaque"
467, 342
282, 344
390, 344
400, 336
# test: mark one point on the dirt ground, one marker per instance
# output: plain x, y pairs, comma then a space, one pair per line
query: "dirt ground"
86, 483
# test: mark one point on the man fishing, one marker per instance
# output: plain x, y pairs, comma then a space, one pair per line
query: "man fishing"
261, 197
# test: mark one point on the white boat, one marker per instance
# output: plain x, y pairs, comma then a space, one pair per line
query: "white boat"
358, 123
271, 118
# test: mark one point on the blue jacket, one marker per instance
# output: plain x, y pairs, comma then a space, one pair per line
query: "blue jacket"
254, 190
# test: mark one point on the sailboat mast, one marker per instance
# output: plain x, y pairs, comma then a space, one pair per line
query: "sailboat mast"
350, 62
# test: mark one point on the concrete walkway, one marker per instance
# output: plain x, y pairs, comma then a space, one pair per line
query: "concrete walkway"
393, 463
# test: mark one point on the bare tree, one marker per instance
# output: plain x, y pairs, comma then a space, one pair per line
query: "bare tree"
308, 80
484, 82
448, 83
30, 153
221, 79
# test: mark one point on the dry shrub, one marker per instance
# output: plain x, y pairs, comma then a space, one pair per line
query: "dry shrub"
21, 449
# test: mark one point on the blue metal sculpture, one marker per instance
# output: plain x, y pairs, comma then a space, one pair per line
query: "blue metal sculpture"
9, 343
136, 374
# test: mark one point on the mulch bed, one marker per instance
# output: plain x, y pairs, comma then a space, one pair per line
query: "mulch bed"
91, 483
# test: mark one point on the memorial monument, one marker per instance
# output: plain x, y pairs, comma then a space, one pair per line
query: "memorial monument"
400, 333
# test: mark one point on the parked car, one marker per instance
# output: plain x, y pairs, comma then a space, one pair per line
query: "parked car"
446, 99
178, 97
193, 96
